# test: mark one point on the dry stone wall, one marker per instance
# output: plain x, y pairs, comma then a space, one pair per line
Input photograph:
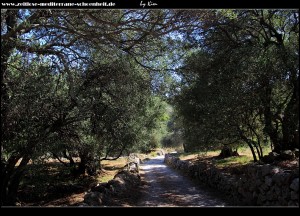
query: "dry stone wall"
255, 185
121, 185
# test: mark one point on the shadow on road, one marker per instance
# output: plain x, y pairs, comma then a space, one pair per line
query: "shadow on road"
164, 186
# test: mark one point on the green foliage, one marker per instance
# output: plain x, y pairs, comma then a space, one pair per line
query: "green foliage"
241, 86
93, 85
152, 124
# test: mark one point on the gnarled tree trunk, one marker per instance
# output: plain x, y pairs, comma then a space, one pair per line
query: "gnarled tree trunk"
11, 175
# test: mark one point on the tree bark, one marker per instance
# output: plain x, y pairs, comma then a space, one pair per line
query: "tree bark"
11, 177
227, 152
6, 49
290, 124
269, 128
249, 143
251, 148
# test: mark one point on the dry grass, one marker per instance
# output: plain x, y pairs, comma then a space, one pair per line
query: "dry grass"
244, 158
110, 168
195, 156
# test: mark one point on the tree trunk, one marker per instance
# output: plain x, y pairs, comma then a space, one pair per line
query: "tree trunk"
69, 157
88, 164
249, 143
269, 128
290, 124
252, 149
227, 152
82, 165
8, 177
11, 177
6, 49
259, 153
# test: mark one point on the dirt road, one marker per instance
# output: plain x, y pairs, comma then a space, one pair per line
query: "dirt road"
165, 187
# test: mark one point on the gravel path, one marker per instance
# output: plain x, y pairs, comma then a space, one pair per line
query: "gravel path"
164, 186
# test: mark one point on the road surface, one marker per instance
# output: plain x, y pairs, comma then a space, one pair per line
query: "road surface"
165, 187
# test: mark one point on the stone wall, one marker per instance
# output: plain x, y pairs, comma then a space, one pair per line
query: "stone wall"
255, 185
121, 185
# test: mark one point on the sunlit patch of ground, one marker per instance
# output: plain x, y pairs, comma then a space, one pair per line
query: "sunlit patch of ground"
235, 164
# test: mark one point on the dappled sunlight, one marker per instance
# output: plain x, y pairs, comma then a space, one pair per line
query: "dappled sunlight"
150, 167
164, 187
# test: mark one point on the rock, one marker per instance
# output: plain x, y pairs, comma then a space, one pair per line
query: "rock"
287, 155
271, 157
241, 190
264, 187
275, 170
117, 186
251, 170
254, 194
93, 199
83, 204
248, 199
295, 185
277, 178
267, 203
259, 171
258, 182
99, 188
292, 203
128, 178
296, 152
266, 169
261, 199
268, 181
277, 190
287, 177
270, 196
122, 183
133, 166
282, 201
286, 193
294, 195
